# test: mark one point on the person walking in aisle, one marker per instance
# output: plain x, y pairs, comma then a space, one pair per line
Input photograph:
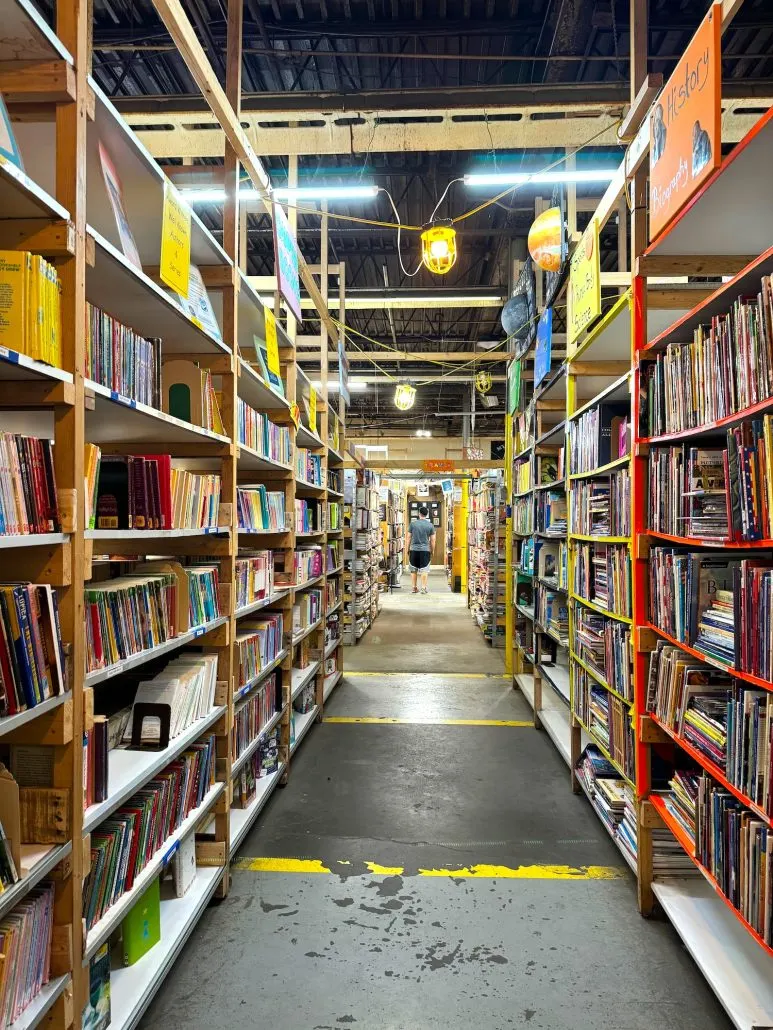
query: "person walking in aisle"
421, 533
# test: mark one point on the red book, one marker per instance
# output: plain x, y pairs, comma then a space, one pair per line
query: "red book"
164, 466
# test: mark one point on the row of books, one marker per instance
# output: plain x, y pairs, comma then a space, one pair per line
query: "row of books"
605, 788
602, 574
258, 642
726, 368
185, 689
606, 717
96, 765
551, 512
25, 944
334, 515
203, 594
731, 843
552, 611
254, 576
28, 497
144, 491
251, 715
729, 723
308, 516
308, 466
307, 564
523, 515
122, 360
605, 646
255, 430
190, 395
124, 843
332, 593
599, 436
333, 554
31, 306
306, 610
32, 665
552, 563
260, 509
523, 479
602, 507
263, 763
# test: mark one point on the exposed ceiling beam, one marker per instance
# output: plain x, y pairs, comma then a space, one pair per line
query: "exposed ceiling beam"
427, 356
368, 300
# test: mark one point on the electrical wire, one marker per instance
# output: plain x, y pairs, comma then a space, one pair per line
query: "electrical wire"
405, 271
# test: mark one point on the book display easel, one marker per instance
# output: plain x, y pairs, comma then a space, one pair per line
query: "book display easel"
669, 388
169, 627
487, 567
363, 552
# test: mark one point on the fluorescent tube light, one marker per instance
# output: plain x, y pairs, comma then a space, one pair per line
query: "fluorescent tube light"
539, 178
355, 385
216, 194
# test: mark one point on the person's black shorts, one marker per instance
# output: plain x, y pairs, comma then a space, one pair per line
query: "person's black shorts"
419, 560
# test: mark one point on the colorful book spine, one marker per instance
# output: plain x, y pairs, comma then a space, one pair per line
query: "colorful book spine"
25, 943
122, 360
256, 431
251, 715
28, 496
254, 578
260, 509
258, 643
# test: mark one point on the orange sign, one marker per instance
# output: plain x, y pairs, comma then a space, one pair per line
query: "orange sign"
685, 125
437, 465
546, 239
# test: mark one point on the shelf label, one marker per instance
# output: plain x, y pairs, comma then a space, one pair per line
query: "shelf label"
584, 293
686, 125
312, 409
175, 266
170, 854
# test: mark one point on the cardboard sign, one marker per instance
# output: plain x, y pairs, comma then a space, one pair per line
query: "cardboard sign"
272, 344
542, 352
198, 304
437, 465
115, 196
584, 293
513, 386
286, 261
685, 125
175, 263
312, 409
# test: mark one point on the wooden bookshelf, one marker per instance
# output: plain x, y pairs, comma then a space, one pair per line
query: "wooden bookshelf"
62, 198
362, 545
486, 557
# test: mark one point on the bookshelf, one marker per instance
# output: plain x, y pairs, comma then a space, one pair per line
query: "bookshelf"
217, 578
362, 552
486, 557
392, 516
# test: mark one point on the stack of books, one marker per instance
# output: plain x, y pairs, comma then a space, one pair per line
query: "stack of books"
25, 943
260, 509
31, 654
122, 360
32, 306
254, 578
186, 686
551, 512
28, 498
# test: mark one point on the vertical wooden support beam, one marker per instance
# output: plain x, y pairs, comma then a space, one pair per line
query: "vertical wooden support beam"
73, 24
323, 428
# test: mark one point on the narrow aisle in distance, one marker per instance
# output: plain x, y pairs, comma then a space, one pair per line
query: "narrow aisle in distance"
429, 867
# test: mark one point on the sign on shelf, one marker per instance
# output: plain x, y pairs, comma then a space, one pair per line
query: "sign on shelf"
542, 352
437, 465
584, 293
175, 265
513, 386
312, 409
272, 344
686, 125
286, 261
343, 373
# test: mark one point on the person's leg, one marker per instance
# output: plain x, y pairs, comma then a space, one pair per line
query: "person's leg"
424, 575
414, 576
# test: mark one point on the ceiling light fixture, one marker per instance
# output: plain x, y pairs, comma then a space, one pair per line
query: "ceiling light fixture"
424, 432
540, 178
248, 194
438, 248
405, 396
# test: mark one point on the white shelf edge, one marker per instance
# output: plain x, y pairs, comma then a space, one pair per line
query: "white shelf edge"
9, 541
267, 464
153, 534
304, 633
332, 646
253, 745
12, 895
330, 683
13, 722
41, 1004
303, 724
8, 356
272, 666
256, 606
243, 824
299, 587
303, 679
631, 863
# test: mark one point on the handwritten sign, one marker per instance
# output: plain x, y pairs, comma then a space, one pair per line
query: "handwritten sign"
286, 261
175, 263
685, 125
272, 344
312, 409
584, 293
437, 465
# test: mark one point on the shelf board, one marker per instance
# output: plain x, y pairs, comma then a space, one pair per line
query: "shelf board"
609, 337
8, 542
249, 609
252, 318
263, 532
334, 457
310, 533
559, 427
747, 677
251, 387
314, 581
599, 678
602, 470
617, 390
303, 724
550, 486
132, 988
528, 613
101, 930
329, 648
242, 819
116, 285
139, 535
13, 722
715, 542
37, 861
128, 770
558, 677
336, 571
18, 367
305, 438
254, 744
335, 607
305, 632
591, 538
41, 1004
601, 611
629, 860
250, 459
28, 37
334, 493
116, 418
712, 428
312, 488
330, 683
301, 678
250, 684
604, 750
100, 675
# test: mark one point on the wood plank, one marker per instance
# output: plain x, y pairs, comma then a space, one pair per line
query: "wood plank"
640, 106
692, 264
40, 82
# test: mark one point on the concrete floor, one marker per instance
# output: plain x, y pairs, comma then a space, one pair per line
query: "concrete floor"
459, 881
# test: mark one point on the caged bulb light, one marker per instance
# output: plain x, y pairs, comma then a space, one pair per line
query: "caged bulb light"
438, 248
483, 382
405, 396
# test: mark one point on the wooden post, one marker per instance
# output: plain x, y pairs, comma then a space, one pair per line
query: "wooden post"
323, 429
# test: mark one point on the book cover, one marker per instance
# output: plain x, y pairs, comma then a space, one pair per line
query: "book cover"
141, 928
113, 493
96, 1011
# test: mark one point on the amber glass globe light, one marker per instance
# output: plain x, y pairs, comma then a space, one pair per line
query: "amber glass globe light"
438, 248
483, 382
405, 395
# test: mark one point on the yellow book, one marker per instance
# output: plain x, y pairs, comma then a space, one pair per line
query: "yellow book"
14, 279
217, 421
36, 302
768, 471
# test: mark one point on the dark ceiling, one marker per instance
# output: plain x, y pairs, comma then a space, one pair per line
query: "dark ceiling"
415, 53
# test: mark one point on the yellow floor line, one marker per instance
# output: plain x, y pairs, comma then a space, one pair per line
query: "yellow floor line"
435, 675
480, 872
371, 720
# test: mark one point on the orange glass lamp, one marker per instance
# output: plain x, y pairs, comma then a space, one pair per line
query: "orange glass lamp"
405, 396
438, 248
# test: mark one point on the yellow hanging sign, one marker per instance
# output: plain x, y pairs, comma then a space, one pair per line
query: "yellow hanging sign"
312, 409
272, 344
175, 265
584, 294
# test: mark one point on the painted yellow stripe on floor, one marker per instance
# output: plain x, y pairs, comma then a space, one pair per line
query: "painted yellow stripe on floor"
374, 720
435, 675
480, 872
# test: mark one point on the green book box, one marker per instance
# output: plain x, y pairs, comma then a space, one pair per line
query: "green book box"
141, 928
